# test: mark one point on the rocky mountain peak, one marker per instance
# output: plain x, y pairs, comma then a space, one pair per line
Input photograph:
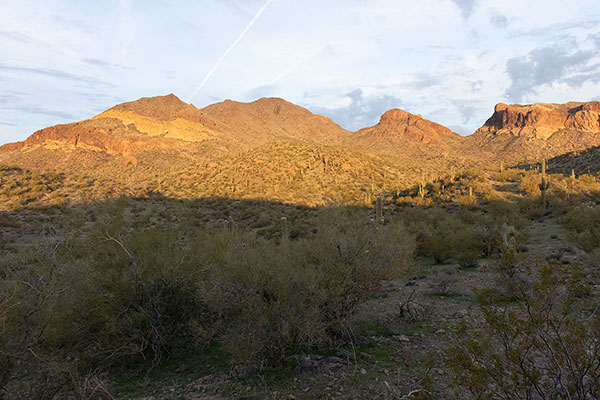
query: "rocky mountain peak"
162, 108
398, 116
402, 124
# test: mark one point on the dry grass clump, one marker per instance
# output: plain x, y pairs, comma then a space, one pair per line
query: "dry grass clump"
509, 175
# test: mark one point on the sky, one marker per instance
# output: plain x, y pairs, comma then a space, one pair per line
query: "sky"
351, 60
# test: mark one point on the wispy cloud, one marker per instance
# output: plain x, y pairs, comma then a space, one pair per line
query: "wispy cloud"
424, 80
559, 28
52, 73
103, 64
499, 20
16, 36
42, 111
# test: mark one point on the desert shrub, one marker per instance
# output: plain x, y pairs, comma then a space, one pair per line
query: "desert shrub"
468, 247
583, 224
466, 200
509, 272
509, 175
6, 221
452, 238
530, 183
423, 223
502, 211
531, 208
586, 184
300, 293
96, 301
108, 297
438, 247
546, 346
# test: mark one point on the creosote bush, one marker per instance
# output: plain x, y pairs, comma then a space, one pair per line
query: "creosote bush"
583, 223
444, 237
546, 346
110, 297
298, 294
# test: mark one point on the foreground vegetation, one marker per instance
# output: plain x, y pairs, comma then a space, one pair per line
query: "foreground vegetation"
97, 298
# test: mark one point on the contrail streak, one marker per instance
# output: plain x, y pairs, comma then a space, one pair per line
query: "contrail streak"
305, 59
213, 69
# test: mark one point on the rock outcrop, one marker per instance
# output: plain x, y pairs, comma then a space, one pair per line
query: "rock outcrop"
538, 130
164, 116
542, 120
400, 133
401, 124
162, 122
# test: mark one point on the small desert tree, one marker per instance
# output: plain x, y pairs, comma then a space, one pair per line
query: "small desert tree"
547, 346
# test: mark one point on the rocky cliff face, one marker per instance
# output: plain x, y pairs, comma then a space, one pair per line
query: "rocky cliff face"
542, 120
538, 130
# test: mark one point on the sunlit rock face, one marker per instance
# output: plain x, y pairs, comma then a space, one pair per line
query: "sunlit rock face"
541, 120
538, 130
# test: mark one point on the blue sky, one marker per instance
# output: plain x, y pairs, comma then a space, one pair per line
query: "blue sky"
351, 60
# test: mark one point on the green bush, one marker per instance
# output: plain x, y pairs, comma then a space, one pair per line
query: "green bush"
545, 346
109, 297
509, 175
299, 294
452, 238
583, 224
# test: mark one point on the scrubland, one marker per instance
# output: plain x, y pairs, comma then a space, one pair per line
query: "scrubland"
469, 286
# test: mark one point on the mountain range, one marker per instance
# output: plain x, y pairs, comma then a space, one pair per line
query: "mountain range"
275, 149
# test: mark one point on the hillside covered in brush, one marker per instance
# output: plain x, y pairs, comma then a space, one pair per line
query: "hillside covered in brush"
273, 149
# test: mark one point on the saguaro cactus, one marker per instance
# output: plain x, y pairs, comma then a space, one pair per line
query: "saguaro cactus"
379, 211
284, 229
422, 186
544, 185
